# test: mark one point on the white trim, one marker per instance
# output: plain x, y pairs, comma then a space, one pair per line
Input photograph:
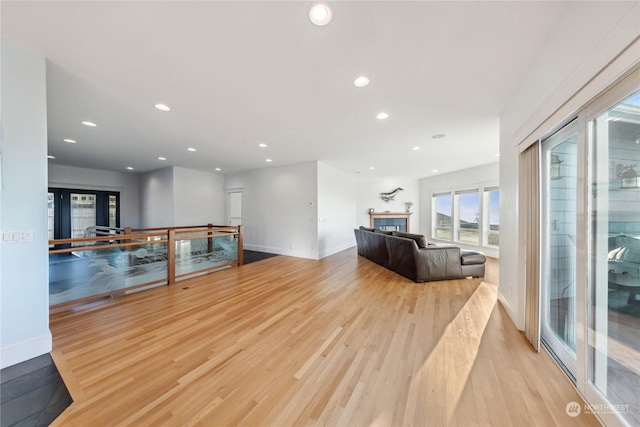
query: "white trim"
25, 350
570, 104
508, 308
336, 249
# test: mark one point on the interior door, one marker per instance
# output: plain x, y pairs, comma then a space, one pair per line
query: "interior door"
234, 208
559, 157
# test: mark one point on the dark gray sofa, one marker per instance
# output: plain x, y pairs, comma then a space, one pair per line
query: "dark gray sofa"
400, 252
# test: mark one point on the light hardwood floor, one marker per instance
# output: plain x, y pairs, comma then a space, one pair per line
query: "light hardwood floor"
289, 341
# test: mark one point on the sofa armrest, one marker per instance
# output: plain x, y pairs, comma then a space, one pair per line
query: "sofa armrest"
438, 263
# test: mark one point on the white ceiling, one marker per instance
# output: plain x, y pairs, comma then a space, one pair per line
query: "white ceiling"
240, 73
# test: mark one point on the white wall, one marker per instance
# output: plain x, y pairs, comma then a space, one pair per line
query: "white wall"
176, 196
156, 198
468, 179
588, 36
198, 197
369, 189
337, 194
92, 179
279, 209
24, 275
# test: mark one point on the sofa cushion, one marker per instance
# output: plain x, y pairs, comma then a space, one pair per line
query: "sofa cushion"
388, 233
472, 257
362, 227
421, 241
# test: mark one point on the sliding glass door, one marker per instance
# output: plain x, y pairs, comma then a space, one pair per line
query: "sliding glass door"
590, 251
613, 309
558, 247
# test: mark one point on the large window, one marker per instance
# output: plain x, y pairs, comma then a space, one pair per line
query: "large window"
443, 227
492, 216
470, 216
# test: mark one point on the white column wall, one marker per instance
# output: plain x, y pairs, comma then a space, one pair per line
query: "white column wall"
156, 198
337, 194
198, 197
24, 273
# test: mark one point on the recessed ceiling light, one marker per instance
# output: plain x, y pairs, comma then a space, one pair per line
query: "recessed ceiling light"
415, 148
320, 14
90, 124
268, 160
438, 136
191, 149
162, 107
162, 158
51, 157
262, 145
361, 81
371, 167
382, 116
70, 141
129, 168
218, 169
435, 170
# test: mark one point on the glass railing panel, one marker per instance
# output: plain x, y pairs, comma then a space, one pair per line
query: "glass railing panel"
104, 270
204, 253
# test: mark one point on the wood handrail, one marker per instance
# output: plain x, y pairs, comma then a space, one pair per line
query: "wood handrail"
178, 227
105, 238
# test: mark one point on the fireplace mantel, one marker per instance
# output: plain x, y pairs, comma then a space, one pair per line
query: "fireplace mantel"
382, 222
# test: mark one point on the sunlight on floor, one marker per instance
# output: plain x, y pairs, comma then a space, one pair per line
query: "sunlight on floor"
458, 368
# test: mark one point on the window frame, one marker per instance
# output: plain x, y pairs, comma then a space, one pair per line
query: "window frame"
483, 192
434, 224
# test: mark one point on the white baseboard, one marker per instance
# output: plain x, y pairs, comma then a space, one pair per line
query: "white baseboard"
336, 249
19, 352
509, 309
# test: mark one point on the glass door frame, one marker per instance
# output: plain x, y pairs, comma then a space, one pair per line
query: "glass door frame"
561, 133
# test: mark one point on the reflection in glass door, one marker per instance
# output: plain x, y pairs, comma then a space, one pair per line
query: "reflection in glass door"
83, 213
613, 310
558, 275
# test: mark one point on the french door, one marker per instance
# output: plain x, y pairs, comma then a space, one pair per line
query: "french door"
72, 211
